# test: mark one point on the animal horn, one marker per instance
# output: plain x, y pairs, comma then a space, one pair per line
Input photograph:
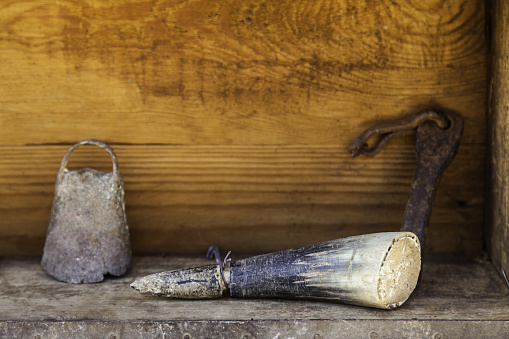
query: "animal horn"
375, 270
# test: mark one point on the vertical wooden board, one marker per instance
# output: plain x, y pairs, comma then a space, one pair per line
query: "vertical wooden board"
498, 208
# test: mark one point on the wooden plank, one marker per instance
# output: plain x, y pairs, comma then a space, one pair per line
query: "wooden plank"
246, 198
454, 298
498, 215
234, 72
259, 101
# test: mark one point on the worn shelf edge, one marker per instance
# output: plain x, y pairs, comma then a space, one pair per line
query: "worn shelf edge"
259, 329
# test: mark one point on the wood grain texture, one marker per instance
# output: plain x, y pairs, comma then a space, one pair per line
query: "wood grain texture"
257, 198
498, 220
234, 72
232, 119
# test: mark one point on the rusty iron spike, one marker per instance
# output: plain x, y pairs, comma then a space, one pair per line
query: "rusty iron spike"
438, 136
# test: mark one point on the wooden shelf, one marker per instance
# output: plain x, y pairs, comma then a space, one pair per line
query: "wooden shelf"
455, 298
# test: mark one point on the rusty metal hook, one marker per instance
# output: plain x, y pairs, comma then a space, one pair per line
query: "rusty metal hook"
438, 135
391, 129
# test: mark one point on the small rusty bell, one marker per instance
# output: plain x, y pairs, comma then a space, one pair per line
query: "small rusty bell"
88, 235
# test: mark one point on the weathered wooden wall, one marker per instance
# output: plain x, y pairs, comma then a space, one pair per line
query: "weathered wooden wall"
232, 119
498, 202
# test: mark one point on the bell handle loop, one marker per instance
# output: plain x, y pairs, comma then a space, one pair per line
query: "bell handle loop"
65, 160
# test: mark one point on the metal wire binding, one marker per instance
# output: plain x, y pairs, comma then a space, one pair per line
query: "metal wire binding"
213, 253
